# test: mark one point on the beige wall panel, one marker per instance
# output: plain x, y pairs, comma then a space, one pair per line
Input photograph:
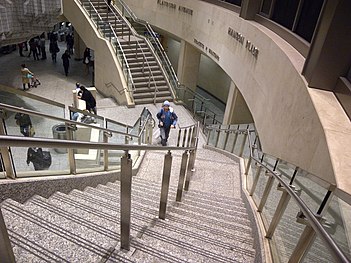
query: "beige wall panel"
288, 121
107, 68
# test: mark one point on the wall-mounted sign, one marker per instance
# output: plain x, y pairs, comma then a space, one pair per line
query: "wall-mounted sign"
167, 4
205, 49
241, 39
171, 5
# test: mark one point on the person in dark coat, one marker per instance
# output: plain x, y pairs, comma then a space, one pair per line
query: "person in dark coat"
53, 49
25, 123
89, 99
65, 60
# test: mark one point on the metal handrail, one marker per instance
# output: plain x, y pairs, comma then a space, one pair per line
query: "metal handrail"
35, 113
137, 37
152, 33
314, 222
20, 141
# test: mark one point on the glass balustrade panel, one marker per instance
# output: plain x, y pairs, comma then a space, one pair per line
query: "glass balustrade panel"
239, 141
319, 253
338, 224
2, 168
222, 137
114, 156
88, 160
18, 99
231, 138
311, 192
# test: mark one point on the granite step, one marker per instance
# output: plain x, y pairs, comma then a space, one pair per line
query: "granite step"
39, 235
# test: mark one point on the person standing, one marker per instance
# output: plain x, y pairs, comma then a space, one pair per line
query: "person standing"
20, 49
53, 49
65, 60
27, 75
86, 59
25, 123
42, 46
167, 120
33, 49
89, 99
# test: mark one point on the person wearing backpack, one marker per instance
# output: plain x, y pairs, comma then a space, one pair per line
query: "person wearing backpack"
167, 120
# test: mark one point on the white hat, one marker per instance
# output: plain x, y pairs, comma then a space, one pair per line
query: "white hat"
166, 103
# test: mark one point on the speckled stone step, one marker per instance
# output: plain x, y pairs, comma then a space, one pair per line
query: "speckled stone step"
38, 234
214, 209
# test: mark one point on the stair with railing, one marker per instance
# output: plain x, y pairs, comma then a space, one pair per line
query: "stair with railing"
149, 82
84, 226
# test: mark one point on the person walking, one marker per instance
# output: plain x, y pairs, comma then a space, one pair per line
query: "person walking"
167, 120
65, 60
53, 49
27, 75
20, 49
89, 99
25, 123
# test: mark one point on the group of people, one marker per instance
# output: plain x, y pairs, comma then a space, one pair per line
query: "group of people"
36, 47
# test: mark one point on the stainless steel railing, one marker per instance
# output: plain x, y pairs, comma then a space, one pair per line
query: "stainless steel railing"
153, 43
185, 174
142, 133
313, 221
104, 27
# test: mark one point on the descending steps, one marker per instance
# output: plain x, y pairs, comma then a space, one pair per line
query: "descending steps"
83, 226
150, 82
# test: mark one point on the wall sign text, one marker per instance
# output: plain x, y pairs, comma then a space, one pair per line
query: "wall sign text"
205, 49
241, 39
173, 6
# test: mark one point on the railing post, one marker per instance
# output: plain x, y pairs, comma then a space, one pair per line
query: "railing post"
243, 145
279, 211
6, 252
184, 137
125, 200
179, 135
182, 176
106, 136
167, 166
5, 151
235, 138
266, 192
303, 245
190, 169
248, 165
255, 181
218, 135
208, 136
226, 139
71, 159
191, 130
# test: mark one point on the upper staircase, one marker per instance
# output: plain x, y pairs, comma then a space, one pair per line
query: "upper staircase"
149, 82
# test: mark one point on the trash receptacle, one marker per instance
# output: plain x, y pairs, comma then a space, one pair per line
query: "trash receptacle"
59, 132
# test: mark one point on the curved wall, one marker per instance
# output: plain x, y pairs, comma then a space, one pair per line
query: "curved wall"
303, 126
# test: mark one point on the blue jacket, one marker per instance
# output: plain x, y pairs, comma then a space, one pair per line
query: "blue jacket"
167, 117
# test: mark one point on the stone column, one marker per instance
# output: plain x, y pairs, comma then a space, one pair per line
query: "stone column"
188, 65
236, 110
330, 53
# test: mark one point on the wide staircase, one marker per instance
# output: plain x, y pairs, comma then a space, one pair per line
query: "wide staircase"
211, 224
149, 82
